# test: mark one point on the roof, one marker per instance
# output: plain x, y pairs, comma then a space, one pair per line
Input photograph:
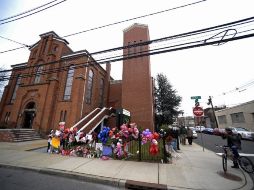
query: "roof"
19, 65
75, 54
245, 103
55, 36
134, 26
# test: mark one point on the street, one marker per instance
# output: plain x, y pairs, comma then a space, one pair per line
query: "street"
18, 179
210, 142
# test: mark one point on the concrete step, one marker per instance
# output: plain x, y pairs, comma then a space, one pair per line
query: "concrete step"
25, 135
25, 139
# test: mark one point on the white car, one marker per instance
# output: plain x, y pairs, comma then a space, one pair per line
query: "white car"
199, 129
195, 135
243, 133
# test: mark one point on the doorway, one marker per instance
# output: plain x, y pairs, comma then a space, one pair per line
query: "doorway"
29, 115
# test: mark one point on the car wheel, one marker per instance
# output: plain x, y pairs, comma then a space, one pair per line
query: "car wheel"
240, 136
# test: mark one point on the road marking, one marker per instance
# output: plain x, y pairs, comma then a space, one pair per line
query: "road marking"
241, 154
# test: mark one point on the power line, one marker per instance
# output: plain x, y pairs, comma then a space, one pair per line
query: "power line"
240, 88
136, 55
12, 49
32, 13
161, 39
26, 11
187, 34
135, 18
205, 40
14, 41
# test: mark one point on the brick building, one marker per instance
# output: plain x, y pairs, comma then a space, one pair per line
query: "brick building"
57, 84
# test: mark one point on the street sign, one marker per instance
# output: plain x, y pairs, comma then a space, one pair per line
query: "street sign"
198, 111
195, 97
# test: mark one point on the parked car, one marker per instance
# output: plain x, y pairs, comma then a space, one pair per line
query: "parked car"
243, 133
195, 135
199, 129
208, 131
219, 131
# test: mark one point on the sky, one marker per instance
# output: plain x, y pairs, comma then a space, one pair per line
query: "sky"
215, 71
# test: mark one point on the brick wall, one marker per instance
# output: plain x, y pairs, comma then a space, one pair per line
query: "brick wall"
48, 93
6, 135
137, 91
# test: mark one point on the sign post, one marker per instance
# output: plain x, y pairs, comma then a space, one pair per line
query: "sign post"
198, 112
195, 97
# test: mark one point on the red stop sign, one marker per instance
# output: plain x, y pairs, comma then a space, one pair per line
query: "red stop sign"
198, 111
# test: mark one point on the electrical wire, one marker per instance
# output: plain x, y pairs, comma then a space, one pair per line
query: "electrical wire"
8, 18
187, 34
151, 52
135, 18
177, 46
14, 41
31, 13
12, 49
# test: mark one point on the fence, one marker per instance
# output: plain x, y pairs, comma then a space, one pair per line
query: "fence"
141, 152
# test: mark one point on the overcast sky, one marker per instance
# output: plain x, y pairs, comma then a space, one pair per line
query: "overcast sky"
205, 71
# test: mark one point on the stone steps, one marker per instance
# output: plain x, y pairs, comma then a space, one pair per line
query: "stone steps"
20, 135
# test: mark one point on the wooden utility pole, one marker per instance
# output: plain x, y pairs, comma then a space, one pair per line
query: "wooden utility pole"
211, 102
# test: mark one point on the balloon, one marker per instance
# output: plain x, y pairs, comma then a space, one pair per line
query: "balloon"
155, 142
67, 130
156, 135
119, 151
154, 149
104, 134
144, 140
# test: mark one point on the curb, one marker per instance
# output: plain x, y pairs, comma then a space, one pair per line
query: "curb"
131, 184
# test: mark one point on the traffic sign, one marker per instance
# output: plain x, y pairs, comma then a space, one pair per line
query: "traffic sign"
195, 97
198, 111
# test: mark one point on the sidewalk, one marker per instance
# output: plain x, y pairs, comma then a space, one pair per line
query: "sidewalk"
196, 169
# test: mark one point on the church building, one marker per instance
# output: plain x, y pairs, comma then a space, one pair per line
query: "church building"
57, 84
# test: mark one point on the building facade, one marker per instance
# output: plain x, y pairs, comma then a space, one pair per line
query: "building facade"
137, 84
237, 116
57, 84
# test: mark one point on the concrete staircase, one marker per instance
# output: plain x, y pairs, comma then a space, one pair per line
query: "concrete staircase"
92, 120
20, 135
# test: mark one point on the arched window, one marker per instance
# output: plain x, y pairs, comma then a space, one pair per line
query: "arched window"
16, 88
89, 87
101, 92
37, 78
68, 85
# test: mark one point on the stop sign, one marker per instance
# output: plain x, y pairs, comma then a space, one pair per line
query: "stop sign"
198, 111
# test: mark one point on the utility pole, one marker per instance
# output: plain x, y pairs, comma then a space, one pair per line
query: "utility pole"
210, 102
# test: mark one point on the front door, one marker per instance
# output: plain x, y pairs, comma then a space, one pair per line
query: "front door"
29, 114
28, 119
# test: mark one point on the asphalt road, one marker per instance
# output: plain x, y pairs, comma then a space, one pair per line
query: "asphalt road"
210, 141
18, 179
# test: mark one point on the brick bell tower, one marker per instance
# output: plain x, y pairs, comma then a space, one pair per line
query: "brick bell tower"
137, 85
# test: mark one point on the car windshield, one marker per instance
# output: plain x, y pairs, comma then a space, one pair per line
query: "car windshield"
240, 129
